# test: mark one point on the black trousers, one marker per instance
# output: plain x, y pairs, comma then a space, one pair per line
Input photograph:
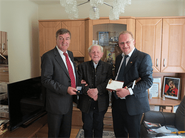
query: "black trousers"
124, 124
59, 125
93, 122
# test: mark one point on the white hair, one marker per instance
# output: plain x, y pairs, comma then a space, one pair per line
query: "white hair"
89, 49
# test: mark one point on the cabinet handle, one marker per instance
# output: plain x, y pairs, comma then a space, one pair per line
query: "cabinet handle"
157, 62
5, 70
164, 62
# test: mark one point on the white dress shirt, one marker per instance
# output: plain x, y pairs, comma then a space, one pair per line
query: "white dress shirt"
123, 55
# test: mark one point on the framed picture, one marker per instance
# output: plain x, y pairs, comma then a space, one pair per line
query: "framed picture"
109, 54
154, 91
103, 38
171, 87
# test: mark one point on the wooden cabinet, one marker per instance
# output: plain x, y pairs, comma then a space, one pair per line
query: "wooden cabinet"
77, 29
47, 35
173, 45
125, 23
3, 43
148, 39
163, 40
4, 74
108, 122
77, 119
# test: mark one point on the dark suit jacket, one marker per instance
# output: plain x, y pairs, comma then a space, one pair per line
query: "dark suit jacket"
95, 79
55, 78
139, 65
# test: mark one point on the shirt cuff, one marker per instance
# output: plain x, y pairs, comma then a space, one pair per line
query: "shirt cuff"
131, 91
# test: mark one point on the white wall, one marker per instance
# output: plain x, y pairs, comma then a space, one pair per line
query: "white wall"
20, 20
138, 8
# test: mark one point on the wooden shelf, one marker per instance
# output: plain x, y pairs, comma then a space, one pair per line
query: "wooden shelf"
167, 102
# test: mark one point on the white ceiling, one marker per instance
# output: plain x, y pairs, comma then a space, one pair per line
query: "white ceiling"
40, 2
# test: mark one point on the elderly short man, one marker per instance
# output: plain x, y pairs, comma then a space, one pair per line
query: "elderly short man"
95, 99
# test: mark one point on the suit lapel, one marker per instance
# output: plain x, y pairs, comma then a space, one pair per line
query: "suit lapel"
60, 61
131, 61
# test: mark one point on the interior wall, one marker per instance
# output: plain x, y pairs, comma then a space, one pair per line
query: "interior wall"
138, 8
20, 20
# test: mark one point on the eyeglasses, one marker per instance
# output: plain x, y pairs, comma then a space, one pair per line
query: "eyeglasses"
127, 42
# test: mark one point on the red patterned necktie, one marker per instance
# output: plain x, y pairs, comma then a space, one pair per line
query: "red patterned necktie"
70, 70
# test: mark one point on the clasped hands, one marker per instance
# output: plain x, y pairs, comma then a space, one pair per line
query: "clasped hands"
93, 92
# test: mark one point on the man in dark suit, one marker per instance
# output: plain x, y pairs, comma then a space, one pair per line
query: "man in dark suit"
55, 77
95, 98
128, 104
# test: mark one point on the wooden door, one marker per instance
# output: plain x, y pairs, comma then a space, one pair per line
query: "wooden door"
173, 46
77, 44
148, 39
47, 35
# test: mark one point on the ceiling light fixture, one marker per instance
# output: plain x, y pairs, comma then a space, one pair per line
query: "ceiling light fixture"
118, 7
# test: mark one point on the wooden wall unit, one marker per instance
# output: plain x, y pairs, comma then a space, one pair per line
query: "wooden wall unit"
77, 29
4, 74
47, 35
3, 43
128, 21
173, 45
163, 39
77, 118
148, 39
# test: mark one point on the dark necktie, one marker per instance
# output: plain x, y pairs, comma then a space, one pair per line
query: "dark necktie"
121, 72
70, 70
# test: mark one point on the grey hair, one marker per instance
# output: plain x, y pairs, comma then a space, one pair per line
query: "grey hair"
89, 49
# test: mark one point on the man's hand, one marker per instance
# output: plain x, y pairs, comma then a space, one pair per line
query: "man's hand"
122, 92
93, 93
84, 82
71, 91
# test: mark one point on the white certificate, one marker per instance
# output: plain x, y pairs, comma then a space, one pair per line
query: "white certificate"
113, 85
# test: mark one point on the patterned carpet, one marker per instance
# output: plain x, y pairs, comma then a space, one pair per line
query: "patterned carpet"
106, 134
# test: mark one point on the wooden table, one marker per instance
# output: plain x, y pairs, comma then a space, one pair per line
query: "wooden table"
167, 102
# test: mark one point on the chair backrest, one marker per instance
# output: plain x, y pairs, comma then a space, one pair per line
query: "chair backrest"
180, 116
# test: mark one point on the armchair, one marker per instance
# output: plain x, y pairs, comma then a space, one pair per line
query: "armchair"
174, 119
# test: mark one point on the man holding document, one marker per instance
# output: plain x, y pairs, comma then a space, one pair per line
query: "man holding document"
129, 103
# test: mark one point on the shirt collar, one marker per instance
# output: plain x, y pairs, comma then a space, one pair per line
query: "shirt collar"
60, 51
130, 54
